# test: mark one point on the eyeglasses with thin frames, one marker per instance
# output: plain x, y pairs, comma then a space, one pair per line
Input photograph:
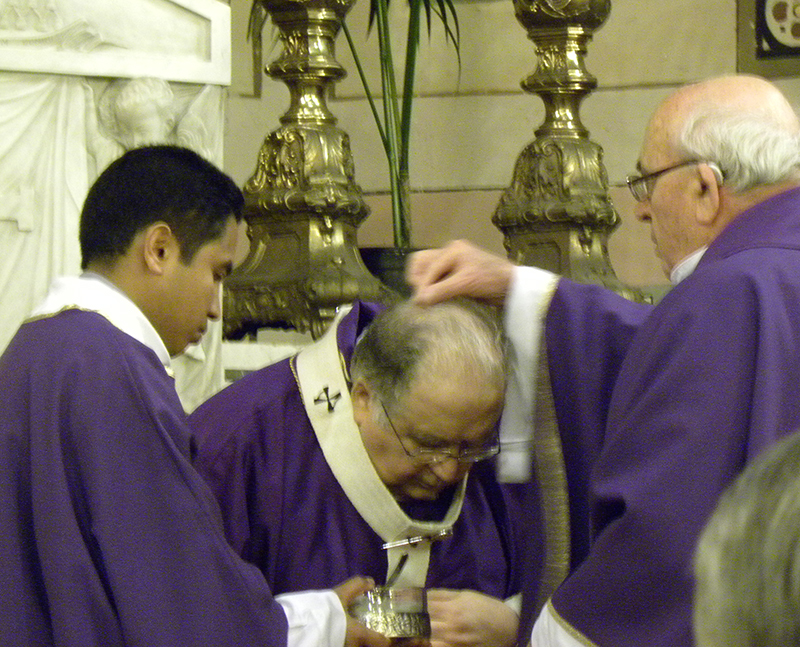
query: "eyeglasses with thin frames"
434, 456
641, 186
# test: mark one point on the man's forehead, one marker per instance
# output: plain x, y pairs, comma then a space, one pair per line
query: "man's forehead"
662, 129
656, 150
446, 399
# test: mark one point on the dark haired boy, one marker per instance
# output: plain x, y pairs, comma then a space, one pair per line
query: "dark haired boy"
109, 535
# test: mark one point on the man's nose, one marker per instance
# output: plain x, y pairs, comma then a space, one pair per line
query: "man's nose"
215, 307
449, 470
642, 211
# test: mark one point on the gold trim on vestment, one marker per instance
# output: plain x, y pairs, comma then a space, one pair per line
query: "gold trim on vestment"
551, 475
548, 460
572, 631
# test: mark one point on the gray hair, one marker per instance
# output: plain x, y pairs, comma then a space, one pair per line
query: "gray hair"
747, 564
458, 337
751, 148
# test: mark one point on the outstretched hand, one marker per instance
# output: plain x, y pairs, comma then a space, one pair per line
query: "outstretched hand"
470, 619
458, 269
357, 634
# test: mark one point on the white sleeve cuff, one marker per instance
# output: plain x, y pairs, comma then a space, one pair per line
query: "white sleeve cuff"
530, 289
548, 632
514, 603
315, 618
526, 304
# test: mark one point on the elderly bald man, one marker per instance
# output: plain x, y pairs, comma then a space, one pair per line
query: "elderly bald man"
656, 408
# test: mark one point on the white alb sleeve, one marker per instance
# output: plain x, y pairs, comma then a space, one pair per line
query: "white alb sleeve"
525, 308
514, 603
316, 618
549, 632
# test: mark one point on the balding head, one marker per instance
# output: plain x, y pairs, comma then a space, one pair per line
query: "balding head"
742, 123
741, 94
713, 150
427, 393
460, 339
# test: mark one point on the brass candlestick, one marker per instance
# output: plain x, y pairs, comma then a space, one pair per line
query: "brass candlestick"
303, 205
557, 213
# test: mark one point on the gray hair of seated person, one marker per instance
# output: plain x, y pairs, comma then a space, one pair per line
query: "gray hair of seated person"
457, 338
747, 564
751, 148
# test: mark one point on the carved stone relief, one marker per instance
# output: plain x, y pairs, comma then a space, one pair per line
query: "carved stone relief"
180, 40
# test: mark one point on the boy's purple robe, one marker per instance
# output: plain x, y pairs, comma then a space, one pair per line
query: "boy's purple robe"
109, 536
285, 511
658, 410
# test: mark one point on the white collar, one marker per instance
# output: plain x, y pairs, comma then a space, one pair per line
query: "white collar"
685, 267
92, 292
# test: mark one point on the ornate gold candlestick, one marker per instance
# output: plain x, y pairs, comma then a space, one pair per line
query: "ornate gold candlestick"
302, 203
557, 213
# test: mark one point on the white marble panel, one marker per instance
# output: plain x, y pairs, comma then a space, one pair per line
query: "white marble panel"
177, 40
272, 345
44, 176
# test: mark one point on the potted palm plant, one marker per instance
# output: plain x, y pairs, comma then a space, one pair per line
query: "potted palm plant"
394, 120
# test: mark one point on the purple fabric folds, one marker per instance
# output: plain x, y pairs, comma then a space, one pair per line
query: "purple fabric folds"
109, 535
659, 409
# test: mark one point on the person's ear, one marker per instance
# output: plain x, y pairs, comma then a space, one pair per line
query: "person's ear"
160, 247
361, 397
708, 193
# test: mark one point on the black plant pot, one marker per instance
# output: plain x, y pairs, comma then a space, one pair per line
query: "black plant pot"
389, 265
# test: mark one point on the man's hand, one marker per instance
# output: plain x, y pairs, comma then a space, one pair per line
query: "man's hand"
470, 619
357, 634
458, 269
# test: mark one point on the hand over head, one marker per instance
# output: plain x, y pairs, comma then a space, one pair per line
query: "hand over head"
458, 269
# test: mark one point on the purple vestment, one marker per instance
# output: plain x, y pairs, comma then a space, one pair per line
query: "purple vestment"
285, 510
658, 410
109, 536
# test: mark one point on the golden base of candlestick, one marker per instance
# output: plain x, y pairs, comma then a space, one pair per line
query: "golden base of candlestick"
302, 204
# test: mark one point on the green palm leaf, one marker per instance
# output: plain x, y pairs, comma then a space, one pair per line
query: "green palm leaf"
395, 125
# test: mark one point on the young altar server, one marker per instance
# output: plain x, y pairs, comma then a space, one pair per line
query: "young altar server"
109, 535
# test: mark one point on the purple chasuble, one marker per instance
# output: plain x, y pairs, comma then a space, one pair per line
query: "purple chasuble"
658, 410
285, 511
109, 536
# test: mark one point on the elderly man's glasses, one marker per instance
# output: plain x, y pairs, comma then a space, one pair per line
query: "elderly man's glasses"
642, 186
432, 455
